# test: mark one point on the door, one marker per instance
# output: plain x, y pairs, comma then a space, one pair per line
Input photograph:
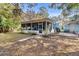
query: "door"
40, 28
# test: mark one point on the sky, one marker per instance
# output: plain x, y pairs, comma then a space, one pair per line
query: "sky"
51, 11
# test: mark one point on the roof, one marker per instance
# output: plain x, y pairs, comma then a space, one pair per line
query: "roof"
73, 22
38, 20
26, 19
70, 21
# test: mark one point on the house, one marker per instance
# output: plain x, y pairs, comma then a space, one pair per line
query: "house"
72, 26
37, 25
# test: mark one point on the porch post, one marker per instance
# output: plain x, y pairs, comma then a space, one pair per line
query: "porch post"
31, 25
38, 26
42, 26
49, 27
46, 28
26, 26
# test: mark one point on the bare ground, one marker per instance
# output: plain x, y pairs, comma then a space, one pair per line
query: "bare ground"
53, 45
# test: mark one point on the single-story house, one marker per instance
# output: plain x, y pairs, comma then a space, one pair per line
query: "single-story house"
38, 26
72, 26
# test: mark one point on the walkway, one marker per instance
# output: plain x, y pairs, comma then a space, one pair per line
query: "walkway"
68, 34
34, 36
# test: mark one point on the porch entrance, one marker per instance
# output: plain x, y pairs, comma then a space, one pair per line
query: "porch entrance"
40, 27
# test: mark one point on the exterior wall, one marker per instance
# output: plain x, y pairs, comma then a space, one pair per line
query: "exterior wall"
72, 27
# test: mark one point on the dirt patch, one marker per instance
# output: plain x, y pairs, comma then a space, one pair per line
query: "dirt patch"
53, 45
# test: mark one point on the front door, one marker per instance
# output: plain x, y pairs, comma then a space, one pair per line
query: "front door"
40, 28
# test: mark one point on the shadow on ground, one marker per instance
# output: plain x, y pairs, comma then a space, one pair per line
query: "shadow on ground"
69, 54
51, 46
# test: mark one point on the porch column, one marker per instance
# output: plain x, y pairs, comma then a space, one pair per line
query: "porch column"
26, 26
38, 26
42, 26
46, 28
31, 25
49, 27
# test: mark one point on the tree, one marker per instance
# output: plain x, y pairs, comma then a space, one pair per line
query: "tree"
43, 12
7, 17
67, 10
29, 11
17, 10
17, 15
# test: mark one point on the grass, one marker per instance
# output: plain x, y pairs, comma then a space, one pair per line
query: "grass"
11, 37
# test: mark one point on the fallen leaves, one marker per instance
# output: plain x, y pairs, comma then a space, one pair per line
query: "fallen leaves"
57, 45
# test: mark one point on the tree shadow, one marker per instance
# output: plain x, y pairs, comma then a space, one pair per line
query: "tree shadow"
69, 54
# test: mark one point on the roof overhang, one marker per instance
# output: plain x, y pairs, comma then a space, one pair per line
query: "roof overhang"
38, 20
73, 22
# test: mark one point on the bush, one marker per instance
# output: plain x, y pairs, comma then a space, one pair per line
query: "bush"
67, 31
57, 30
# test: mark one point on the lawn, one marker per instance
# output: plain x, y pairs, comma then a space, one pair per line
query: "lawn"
42, 46
6, 38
